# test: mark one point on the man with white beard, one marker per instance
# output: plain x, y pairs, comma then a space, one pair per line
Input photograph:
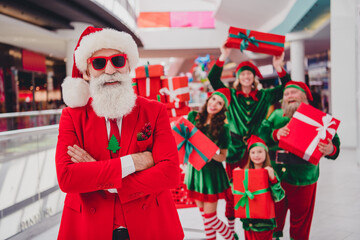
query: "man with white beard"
298, 177
116, 157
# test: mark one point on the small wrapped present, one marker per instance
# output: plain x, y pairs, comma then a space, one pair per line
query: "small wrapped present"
245, 39
175, 112
194, 147
148, 79
175, 89
252, 194
308, 127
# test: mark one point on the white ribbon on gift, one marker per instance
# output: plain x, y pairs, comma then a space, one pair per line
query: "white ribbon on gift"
147, 85
321, 129
173, 112
173, 93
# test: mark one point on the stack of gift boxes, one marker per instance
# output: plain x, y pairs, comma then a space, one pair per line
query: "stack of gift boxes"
151, 83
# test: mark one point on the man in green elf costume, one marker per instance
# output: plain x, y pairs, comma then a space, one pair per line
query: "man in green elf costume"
248, 107
298, 177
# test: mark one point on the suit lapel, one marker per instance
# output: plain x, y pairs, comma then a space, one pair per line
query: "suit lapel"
127, 129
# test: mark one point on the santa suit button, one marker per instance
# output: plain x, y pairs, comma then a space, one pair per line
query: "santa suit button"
92, 210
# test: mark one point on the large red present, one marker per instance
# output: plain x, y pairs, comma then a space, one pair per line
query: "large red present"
175, 89
175, 112
308, 127
252, 194
148, 79
254, 41
194, 147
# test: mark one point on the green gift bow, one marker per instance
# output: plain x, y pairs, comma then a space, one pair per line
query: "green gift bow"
246, 39
244, 200
189, 147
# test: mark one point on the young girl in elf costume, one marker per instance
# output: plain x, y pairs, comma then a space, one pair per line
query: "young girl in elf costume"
211, 182
261, 229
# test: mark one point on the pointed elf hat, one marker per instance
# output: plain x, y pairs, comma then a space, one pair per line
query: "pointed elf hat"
255, 141
247, 65
302, 87
76, 92
224, 93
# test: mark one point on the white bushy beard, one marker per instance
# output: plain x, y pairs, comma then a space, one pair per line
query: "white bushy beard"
290, 108
112, 101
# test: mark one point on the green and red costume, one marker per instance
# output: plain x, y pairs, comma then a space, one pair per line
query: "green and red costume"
211, 182
245, 115
298, 178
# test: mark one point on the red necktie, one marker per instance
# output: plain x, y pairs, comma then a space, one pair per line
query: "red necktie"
114, 131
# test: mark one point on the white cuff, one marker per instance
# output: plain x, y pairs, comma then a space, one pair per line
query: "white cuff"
127, 165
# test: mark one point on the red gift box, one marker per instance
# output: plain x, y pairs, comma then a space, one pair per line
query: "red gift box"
308, 127
193, 146
254, 41
175, 112
148, 79
252, 194
134, 85
175, 89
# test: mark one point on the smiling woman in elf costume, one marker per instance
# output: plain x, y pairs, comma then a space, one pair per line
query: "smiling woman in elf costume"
211, 183
248, 107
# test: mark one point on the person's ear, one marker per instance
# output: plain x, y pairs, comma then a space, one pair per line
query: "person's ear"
86, 75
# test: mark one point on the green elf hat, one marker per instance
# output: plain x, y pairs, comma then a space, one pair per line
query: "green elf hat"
224, 93
248, 66
255, 141
302, 87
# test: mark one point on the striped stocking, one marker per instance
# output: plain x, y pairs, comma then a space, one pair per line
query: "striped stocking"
211, 220
209, 232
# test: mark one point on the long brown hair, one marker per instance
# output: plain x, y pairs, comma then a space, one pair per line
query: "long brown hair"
217, 121
237, 84
250, 164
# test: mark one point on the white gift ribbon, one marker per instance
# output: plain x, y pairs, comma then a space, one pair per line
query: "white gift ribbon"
173, 112
147, 85
321, 129
173, 93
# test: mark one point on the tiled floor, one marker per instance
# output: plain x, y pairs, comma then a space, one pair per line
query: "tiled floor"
337, 210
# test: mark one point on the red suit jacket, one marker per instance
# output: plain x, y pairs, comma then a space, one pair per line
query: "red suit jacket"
148, 207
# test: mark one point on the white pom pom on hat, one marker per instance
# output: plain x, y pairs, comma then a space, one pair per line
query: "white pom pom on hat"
75, 89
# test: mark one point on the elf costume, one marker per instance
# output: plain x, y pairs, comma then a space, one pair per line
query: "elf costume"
298, 177
262, 228
245, 115
211, 182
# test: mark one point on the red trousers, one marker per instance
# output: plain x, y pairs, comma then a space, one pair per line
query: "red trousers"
265, 235
229, 210
300, 200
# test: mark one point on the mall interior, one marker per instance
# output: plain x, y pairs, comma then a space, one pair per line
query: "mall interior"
37, 41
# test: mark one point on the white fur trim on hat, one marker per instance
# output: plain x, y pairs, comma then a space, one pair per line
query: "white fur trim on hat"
106, 38
76, 92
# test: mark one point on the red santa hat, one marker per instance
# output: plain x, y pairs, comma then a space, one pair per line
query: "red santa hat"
255, 141
302, 87
247, 65
75, 89
224, 93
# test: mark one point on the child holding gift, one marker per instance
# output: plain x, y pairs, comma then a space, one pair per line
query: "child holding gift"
248, 107
261, 229
211, 182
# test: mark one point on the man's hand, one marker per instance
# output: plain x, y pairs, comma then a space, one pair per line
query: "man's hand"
143, 160
78, 154
282, 132
278, 62
326, 148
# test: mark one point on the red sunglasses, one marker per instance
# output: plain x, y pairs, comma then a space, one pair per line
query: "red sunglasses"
99, 63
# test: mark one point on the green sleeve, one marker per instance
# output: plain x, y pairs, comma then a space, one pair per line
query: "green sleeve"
191, 117
276, 94
224, 137
214, 77
277, 191
336, 142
